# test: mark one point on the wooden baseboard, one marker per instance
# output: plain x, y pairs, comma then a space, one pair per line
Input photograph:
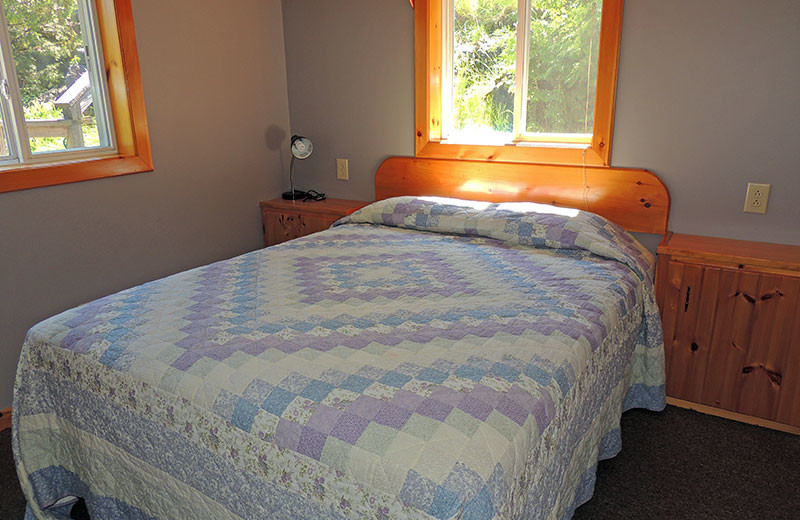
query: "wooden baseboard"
5, 419
719, 412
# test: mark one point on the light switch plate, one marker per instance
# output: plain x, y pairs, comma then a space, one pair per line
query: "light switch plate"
757, 198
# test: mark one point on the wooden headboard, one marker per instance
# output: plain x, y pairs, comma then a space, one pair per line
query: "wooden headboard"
635, 199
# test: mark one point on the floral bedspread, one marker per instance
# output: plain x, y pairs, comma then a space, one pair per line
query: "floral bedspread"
424, 358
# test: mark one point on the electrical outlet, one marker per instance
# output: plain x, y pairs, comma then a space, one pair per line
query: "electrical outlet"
757, 197
342, 172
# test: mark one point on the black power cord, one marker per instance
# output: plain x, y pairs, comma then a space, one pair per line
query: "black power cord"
314, 195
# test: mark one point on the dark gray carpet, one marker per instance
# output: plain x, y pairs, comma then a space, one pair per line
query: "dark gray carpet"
683, 464
12, 503
674, 464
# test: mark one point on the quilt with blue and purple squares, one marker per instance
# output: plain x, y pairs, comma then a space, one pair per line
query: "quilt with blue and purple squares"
424, 358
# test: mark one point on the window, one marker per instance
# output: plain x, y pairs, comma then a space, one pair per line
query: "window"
517, 80
71, 104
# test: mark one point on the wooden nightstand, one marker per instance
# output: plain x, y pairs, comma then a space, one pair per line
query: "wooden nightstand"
731, 315
284, 220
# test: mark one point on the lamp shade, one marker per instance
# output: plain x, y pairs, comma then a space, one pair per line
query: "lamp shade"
301, 147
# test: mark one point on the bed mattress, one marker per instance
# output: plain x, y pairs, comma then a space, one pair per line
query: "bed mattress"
422, 359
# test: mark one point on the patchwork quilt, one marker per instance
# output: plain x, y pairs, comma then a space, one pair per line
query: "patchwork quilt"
424, 358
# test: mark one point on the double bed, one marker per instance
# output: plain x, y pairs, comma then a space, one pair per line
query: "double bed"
426, 357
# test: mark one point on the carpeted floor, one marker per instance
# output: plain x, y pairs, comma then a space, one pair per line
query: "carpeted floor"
12, 503
674, 464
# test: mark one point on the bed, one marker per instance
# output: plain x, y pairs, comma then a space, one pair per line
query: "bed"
426, 357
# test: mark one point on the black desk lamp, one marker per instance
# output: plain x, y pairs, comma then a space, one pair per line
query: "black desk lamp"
301, 149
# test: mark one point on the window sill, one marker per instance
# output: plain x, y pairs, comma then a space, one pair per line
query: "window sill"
545, 153
36, 176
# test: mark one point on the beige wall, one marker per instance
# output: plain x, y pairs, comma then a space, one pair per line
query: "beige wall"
214, 83
350, 70
707, 99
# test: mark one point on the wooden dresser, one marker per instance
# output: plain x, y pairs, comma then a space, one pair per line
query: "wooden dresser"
731, 315
284, 220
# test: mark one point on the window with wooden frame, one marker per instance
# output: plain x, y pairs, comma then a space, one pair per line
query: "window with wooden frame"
517, 80
71, 102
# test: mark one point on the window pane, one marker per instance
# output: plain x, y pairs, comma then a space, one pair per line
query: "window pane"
5, 149
51, 52
484, 66
562, 75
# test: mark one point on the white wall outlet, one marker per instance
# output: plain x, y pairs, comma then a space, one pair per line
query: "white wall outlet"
342, 172
757, 197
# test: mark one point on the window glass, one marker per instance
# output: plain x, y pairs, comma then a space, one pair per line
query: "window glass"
53, 46
5, 144
5, 151
484, 62
563, 41
515, 77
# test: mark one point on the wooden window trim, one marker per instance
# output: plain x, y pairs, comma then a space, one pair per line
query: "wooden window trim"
127, 109
428, 82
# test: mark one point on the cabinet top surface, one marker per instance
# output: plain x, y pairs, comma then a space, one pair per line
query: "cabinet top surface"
743, 251
330, 206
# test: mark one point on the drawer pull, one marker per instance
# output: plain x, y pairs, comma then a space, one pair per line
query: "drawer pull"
747, 370
749, 298
686, 303
695, 346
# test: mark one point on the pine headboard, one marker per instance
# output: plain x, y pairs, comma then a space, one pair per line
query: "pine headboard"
635, 199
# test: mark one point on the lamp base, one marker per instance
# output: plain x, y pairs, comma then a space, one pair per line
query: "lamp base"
294, 195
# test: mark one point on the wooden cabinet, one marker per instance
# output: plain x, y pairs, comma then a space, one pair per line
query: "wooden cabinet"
731, 317
284, 220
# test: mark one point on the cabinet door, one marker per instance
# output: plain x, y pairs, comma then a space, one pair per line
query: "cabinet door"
752, 370
733, 328
767, 378
732, 338
789, 402
688, 315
